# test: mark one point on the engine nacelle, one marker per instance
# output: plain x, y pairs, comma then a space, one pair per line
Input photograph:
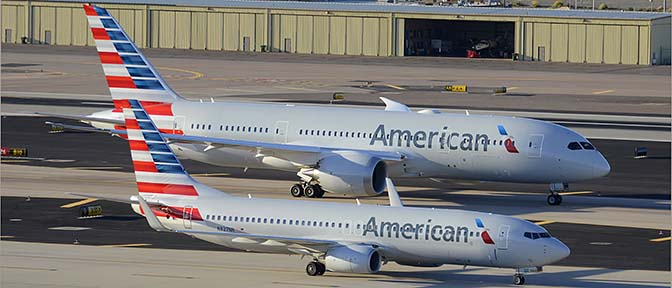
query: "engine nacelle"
353, 259
351, 173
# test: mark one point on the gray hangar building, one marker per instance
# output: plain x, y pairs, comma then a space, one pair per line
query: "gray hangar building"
359, 28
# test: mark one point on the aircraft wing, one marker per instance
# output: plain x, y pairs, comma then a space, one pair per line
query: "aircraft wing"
276, 148
293, 244
284, 151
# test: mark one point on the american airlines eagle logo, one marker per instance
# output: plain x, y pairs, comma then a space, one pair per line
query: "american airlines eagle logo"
508, 142
484, 235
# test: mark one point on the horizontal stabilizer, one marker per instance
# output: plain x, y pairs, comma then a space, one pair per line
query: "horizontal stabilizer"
82, 118
85, 128
106, 198
152, 220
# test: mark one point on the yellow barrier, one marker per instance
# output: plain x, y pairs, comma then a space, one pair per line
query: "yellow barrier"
456, 88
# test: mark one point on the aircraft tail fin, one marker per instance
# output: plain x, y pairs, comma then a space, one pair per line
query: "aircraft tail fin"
159, 174
128, 73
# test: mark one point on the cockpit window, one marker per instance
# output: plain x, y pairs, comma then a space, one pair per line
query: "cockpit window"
575, 146
587, 146
535, 236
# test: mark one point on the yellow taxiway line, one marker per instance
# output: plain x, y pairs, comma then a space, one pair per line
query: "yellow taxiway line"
81, 202
661, 239
602, 92
395, 87
544, 222
127, 245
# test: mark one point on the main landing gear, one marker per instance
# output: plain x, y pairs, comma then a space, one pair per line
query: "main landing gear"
308, 190
315, 268
555, 188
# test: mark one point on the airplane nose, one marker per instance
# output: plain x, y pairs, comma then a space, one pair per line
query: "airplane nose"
601, 167
558, 251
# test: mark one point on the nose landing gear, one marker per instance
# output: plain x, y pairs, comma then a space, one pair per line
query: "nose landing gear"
555, 188
518, 279
554, 199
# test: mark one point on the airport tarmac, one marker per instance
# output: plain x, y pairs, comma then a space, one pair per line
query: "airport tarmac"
618, 227
54, 265
203, 74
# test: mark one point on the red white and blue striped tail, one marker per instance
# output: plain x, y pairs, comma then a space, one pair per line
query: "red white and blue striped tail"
129, 74
158, 172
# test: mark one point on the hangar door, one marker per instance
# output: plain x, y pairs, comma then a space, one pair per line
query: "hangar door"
455, 38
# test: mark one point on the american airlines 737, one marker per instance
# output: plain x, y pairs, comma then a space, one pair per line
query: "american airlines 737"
339, 237
341, 150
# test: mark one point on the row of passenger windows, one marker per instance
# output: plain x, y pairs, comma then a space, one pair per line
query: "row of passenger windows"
277, 221
535, 236
231, 128
347, 134
336, 133
353, 134
582, 145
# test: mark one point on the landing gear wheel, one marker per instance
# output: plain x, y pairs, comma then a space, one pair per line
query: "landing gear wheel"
313, 268
322, 268
310, 191
518, 279
554, 199
296, 190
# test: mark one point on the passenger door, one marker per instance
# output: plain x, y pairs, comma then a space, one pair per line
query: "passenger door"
179, 124
186, 216
534, 145
503, 237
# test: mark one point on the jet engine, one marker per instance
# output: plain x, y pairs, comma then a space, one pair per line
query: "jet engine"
349, 172
353, 259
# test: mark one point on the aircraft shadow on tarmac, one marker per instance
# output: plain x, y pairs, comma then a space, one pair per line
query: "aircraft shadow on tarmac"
577, 278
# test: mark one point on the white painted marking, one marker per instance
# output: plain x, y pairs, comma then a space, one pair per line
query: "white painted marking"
69, 228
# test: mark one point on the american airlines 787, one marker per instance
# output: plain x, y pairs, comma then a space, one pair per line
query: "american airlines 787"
341, 150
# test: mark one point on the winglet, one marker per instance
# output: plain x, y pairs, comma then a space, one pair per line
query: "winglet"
395, 201
391, 105
151, 218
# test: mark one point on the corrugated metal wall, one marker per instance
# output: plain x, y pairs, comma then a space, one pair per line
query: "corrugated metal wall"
320, 32
585, 43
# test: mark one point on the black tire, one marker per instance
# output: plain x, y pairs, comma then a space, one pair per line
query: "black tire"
322, 269
518, 280
319, 192
559, 199
552, 200
312, 269
310, 191
296, 190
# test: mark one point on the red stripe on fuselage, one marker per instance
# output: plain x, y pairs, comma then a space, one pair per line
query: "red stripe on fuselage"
100, 34
110, 58
138, 145
120, 82
173, 189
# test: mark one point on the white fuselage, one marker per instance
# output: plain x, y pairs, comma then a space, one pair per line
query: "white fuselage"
411, 236
435, 145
